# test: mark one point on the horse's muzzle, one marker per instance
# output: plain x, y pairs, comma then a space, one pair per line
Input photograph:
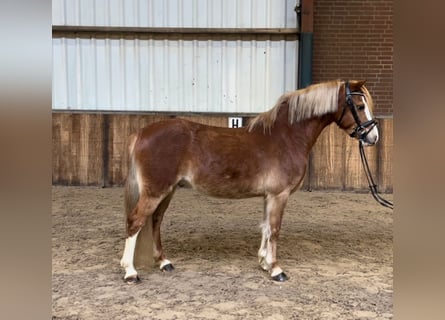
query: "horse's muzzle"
367, 132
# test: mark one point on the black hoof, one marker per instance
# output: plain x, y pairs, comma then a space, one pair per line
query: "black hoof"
168, 267
132, 280
281, 277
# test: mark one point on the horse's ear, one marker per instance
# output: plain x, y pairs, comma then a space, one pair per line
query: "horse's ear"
357, 84
361, 83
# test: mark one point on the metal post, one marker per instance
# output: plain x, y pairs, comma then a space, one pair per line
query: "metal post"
305, 13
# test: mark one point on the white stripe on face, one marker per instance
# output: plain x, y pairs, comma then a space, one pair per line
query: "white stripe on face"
367, 112
373, 135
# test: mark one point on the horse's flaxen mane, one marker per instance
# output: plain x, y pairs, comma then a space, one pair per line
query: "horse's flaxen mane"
315, 100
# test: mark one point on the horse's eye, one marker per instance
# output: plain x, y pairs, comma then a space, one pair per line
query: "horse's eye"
361, 107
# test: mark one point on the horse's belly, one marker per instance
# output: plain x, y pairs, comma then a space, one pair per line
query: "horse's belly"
226, 187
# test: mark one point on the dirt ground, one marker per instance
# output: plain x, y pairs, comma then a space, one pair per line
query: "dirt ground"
336, 247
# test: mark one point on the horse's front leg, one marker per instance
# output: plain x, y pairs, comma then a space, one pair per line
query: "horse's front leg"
267, 254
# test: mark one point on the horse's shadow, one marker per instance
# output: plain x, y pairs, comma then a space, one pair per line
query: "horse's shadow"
294, 243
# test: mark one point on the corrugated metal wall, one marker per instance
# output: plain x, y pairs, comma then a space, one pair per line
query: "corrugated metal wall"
176, 13
174, 72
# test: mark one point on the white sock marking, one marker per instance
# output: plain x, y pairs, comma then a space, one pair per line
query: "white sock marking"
265, 246
128, 256
164, 263
276, 271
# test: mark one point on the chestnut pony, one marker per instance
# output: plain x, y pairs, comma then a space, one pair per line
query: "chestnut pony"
268, 159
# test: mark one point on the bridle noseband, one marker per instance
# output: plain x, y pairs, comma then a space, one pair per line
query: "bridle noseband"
362, 129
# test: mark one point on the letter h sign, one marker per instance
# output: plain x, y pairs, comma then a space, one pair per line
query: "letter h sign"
235, 122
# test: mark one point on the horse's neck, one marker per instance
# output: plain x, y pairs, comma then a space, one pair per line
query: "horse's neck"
312, 128
304, 134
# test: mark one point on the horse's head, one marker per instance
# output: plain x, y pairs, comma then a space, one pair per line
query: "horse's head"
354, 113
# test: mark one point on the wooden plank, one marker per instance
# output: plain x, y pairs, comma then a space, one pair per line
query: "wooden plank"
385, 156
77, 153
56, 148
90, 149
355, 177
327, 160
118, 130
64, 150
91, 153
77, 148
67, 30
216, 121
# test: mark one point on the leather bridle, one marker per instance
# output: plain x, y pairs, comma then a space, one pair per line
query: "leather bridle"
363, 128
360, 132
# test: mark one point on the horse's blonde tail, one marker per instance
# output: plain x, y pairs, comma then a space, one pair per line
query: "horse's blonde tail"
143, 255
132, 191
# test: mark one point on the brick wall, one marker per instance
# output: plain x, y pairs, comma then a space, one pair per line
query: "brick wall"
354, 40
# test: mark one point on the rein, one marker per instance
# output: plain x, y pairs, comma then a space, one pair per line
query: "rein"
371, 183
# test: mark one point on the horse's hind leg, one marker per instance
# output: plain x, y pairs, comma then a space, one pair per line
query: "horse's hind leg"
158, 252
267, 254
135, 221
131, 275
